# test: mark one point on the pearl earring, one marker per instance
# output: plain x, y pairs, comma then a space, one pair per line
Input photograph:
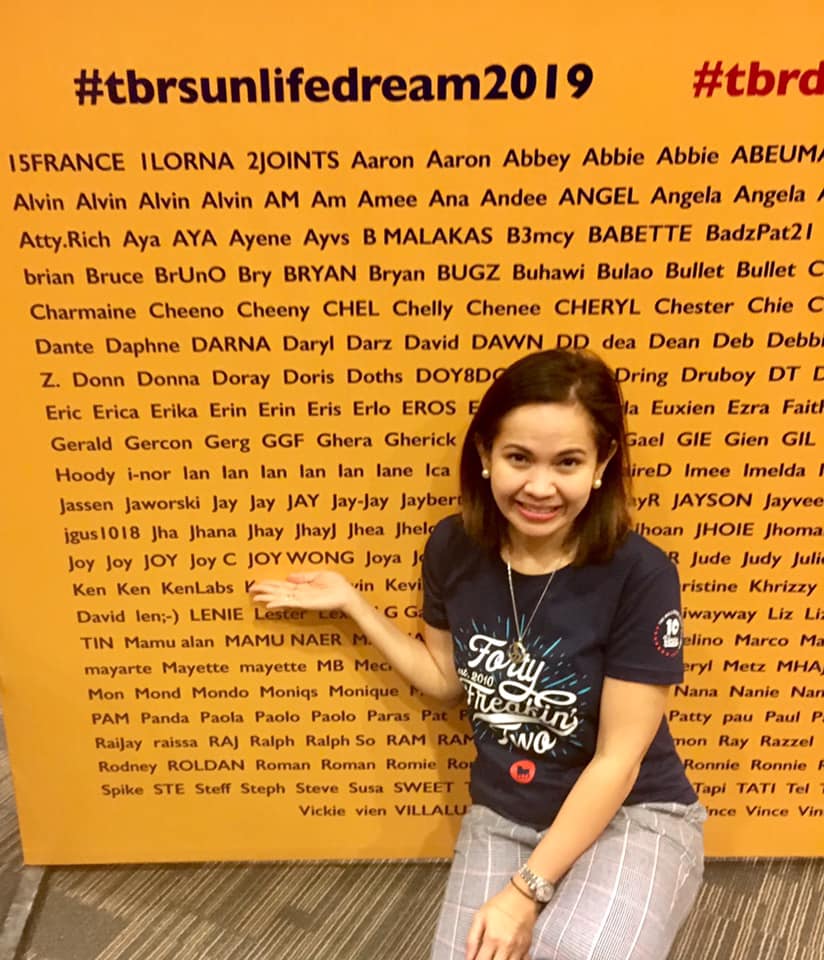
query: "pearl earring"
597, 484
485, 473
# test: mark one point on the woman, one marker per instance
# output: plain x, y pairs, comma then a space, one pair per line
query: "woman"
562, 630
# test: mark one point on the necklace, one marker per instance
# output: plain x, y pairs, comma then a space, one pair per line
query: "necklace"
516, 651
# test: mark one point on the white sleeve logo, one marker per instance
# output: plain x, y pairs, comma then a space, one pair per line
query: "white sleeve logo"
668, 635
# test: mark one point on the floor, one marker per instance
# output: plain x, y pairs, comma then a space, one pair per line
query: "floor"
747, 910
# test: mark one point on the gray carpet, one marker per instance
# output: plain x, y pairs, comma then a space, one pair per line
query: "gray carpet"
747, 910
765, 910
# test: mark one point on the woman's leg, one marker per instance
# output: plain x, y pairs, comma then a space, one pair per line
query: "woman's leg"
489, 849
626, 897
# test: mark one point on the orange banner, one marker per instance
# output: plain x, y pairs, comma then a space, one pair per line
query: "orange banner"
258, 271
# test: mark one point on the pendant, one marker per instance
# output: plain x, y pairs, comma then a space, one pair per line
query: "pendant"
516, 652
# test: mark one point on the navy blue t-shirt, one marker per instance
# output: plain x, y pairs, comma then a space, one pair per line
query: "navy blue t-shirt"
535, 724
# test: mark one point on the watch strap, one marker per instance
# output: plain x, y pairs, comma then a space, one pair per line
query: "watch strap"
522, 892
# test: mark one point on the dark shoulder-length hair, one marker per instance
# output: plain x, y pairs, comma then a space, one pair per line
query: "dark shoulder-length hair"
554, 376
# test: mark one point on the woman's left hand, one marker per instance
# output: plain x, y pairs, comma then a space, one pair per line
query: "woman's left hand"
502, 928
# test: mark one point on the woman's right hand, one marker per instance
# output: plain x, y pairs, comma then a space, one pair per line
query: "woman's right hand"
315, 590
429, 666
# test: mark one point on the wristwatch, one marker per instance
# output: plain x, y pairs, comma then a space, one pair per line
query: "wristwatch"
541, 890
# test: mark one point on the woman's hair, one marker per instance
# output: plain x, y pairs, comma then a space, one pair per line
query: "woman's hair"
554, 376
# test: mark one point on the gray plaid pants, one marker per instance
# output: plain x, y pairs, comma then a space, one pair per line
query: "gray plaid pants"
623, 899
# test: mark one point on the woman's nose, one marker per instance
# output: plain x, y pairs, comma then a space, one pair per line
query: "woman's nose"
541, 483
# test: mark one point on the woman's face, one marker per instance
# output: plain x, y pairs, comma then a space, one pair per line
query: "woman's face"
542, 464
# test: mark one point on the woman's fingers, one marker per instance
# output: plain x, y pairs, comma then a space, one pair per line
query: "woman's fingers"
473, 941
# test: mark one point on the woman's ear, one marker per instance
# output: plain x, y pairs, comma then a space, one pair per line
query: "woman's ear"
483, 453
613, 448
602, 464
600, 470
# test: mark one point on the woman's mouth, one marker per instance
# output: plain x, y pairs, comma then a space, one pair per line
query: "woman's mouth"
538, 513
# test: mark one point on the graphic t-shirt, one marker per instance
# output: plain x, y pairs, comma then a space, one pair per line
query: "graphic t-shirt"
535, 723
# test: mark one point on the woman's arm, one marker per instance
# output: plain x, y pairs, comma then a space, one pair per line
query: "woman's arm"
629, 719
630, 716
429, 665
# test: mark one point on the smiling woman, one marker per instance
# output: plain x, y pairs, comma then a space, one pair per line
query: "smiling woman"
566, 635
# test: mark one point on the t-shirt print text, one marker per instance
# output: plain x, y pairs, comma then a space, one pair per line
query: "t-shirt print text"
520, 704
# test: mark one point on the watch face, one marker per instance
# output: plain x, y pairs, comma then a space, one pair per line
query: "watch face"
541, 890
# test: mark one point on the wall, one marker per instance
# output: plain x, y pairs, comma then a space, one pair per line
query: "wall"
248, 312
